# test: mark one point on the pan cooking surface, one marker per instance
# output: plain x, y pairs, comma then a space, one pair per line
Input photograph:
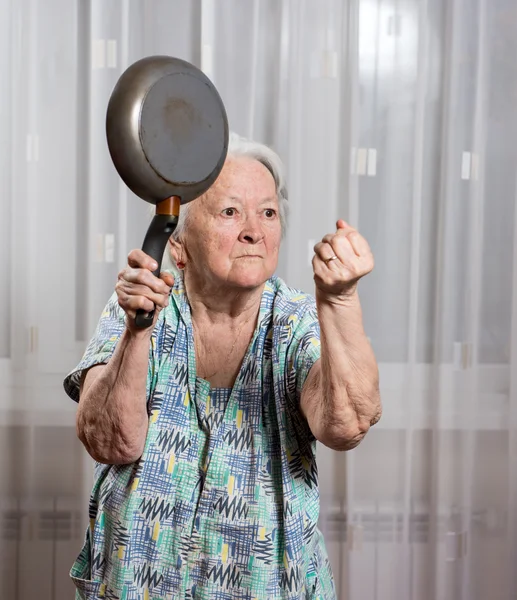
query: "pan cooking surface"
182, 129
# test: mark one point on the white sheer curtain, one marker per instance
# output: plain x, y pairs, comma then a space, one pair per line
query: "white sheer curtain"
398, 115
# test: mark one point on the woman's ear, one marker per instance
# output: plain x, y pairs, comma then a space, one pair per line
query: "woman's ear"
177, 252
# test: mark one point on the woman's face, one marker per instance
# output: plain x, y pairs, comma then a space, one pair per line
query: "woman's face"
233, 232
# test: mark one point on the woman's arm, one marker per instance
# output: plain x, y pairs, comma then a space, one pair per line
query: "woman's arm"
340, 398
112, 415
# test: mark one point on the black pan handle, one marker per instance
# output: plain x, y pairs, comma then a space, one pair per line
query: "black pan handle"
155, 242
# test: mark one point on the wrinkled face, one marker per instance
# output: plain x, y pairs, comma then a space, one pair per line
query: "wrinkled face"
233, 233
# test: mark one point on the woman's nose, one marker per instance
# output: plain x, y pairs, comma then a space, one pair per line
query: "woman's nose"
251, 232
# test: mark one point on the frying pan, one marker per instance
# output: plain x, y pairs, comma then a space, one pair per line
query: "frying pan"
167, 134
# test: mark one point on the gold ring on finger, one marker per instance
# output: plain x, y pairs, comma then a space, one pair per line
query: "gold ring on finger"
327, 260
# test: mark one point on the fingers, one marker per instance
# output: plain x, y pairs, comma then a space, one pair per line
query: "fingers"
133, 292
131, 304
358, 243
340, 260
168, 278
138, 288
336, 244
342, 224
323, 250
347, 238
320, 266
146, 278
138, 259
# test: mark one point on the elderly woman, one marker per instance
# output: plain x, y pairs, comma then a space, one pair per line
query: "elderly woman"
204, 426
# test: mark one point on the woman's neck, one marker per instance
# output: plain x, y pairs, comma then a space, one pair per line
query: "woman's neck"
211, 304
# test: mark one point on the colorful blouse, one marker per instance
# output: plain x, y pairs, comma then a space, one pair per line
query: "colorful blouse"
224, 502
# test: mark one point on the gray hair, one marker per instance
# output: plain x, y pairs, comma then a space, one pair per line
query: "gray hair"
240, 146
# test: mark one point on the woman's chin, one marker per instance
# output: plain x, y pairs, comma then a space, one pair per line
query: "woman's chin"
249, 277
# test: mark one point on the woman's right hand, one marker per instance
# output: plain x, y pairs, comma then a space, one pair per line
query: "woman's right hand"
137, 288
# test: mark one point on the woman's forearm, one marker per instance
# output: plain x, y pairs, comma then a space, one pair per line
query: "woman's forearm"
112, 417
344, 398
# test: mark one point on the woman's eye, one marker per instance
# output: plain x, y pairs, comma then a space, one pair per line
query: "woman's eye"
270, 213
229, 212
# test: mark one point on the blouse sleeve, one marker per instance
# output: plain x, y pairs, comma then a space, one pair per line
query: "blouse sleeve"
303, 350
101, 347
305, 347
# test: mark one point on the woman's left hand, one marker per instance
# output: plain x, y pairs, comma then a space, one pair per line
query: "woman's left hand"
340, 260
